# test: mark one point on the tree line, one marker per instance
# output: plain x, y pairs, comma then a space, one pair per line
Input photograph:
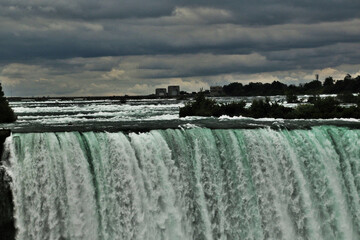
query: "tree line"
330, 86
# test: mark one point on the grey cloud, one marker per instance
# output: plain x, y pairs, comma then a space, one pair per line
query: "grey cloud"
199, 65
78, 39
104, 46
324, 56
86, 9
261, 12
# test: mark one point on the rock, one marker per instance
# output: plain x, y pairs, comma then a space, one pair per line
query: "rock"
7, 223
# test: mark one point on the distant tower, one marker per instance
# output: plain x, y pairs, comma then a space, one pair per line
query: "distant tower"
317, 77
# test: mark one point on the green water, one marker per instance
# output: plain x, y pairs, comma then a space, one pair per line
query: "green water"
187, 184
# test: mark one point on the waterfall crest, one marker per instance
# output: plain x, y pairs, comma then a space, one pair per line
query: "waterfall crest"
187, 184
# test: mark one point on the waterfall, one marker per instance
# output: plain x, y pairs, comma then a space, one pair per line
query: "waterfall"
186, 184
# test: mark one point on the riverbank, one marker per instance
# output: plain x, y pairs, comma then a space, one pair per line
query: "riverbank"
317, 108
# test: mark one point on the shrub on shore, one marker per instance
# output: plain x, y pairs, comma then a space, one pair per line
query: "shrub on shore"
203, 106
319, 108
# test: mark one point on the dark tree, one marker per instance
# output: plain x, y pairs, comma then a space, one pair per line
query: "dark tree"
234, 89
277, 88
329, 82
312, 86
329, 86
347, 77
6, 113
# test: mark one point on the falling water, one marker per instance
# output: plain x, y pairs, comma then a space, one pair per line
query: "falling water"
187, 184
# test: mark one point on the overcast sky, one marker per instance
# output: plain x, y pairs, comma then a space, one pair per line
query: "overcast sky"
116, 47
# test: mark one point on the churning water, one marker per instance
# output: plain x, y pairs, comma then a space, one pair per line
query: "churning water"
137, 115
186, 184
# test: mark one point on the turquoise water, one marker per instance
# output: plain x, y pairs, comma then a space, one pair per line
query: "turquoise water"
187, 184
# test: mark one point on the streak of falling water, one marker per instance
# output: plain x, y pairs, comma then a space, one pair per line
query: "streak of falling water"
187, 184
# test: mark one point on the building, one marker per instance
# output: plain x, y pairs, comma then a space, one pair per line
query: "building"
160, 92
173, 90
216, 90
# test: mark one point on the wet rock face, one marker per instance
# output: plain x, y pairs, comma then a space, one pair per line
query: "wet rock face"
3, 135
7, 224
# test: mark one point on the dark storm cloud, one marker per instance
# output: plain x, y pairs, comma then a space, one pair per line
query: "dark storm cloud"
82, 39
261, 12
88, 28
126, 43
86, 9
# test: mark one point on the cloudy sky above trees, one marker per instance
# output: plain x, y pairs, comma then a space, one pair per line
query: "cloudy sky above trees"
112, 47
